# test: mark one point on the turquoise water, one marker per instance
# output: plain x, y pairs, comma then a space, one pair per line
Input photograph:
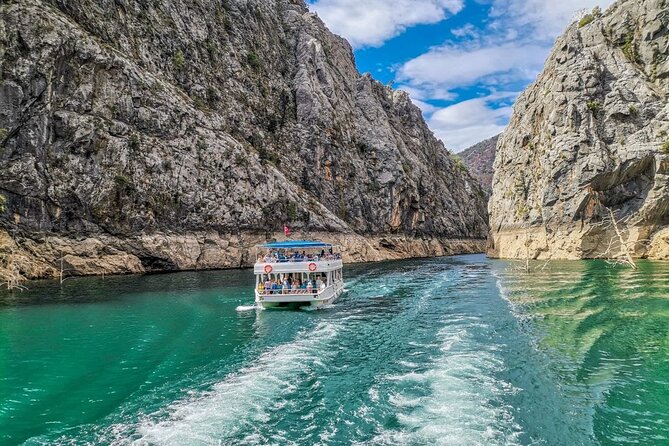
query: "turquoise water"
452, 351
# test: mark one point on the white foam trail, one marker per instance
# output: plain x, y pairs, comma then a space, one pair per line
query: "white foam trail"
246, 308
243, 400
463, 406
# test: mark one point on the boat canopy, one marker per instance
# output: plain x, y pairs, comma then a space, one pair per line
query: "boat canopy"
296, 244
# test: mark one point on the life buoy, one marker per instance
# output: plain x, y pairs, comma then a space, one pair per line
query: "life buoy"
268, 269
312, 267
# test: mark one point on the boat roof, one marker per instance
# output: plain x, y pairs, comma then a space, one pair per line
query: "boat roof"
293, 244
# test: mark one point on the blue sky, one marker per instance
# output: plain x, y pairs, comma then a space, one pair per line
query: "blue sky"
462, 61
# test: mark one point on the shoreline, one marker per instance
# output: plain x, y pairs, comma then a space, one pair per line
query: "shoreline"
577, 242
103, 255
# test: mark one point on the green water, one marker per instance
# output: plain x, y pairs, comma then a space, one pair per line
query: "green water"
453, 351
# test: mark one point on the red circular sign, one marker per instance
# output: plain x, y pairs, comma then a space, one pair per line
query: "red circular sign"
312, 267
268, 269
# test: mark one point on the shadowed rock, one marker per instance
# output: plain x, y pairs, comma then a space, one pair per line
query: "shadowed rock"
589, 136
174, 134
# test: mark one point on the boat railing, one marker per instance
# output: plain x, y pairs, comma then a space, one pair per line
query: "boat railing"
300, 259
290, 292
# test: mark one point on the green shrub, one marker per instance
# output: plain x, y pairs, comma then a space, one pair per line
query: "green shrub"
212, 96
458, 163
629, 48
522, 211
223, 18
363, 147
594, 106
268, 156
124, 182
211, 48
178, 60
342, 211
134, 142
665, 147
291, 210
633, 110
241, 160
3, 202
200, 104
585, 20
253, 60
3, 133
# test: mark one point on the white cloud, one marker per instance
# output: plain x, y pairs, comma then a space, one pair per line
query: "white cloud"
372, 22
544, 19
504, 51
419, 93
450, 66
425, 107
467, 30
508, 51
468, 122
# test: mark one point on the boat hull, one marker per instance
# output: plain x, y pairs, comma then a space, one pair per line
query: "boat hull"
326, 297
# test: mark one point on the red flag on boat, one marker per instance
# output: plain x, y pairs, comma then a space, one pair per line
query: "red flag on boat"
286, 230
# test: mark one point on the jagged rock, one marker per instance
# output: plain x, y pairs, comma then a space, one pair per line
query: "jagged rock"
479, 159
174, 133
591, 134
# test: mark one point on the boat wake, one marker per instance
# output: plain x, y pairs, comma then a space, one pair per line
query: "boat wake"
464, 404
247, 308
235, 409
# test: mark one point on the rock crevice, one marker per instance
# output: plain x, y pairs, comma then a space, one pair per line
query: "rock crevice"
134, 124
590, 136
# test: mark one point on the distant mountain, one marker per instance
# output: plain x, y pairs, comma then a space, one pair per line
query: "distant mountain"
479, 158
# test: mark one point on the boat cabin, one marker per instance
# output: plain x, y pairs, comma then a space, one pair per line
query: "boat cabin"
298, 272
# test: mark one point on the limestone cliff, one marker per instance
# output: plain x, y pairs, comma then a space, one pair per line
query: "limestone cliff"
479, 159
589, 138
174, 134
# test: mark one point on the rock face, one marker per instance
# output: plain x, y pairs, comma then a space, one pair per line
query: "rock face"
590, 137
173, 134
479, 159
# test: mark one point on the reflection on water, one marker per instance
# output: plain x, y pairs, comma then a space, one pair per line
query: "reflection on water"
605, 331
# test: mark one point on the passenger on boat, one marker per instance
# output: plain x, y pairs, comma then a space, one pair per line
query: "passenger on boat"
295, 289
261, 288
286, 285
268, 285
319, 283
310, 287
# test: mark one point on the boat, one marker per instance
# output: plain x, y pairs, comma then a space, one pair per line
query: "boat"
298, 273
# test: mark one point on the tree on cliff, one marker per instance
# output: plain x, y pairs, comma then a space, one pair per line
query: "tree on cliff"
619, 248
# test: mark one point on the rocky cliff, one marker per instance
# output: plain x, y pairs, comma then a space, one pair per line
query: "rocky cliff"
479, 159
590, 140
174, 134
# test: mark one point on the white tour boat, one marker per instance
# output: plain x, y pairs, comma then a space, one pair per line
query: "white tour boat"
297, 273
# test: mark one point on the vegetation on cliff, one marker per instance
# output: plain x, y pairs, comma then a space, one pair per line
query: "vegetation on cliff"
171, 134
581, 167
